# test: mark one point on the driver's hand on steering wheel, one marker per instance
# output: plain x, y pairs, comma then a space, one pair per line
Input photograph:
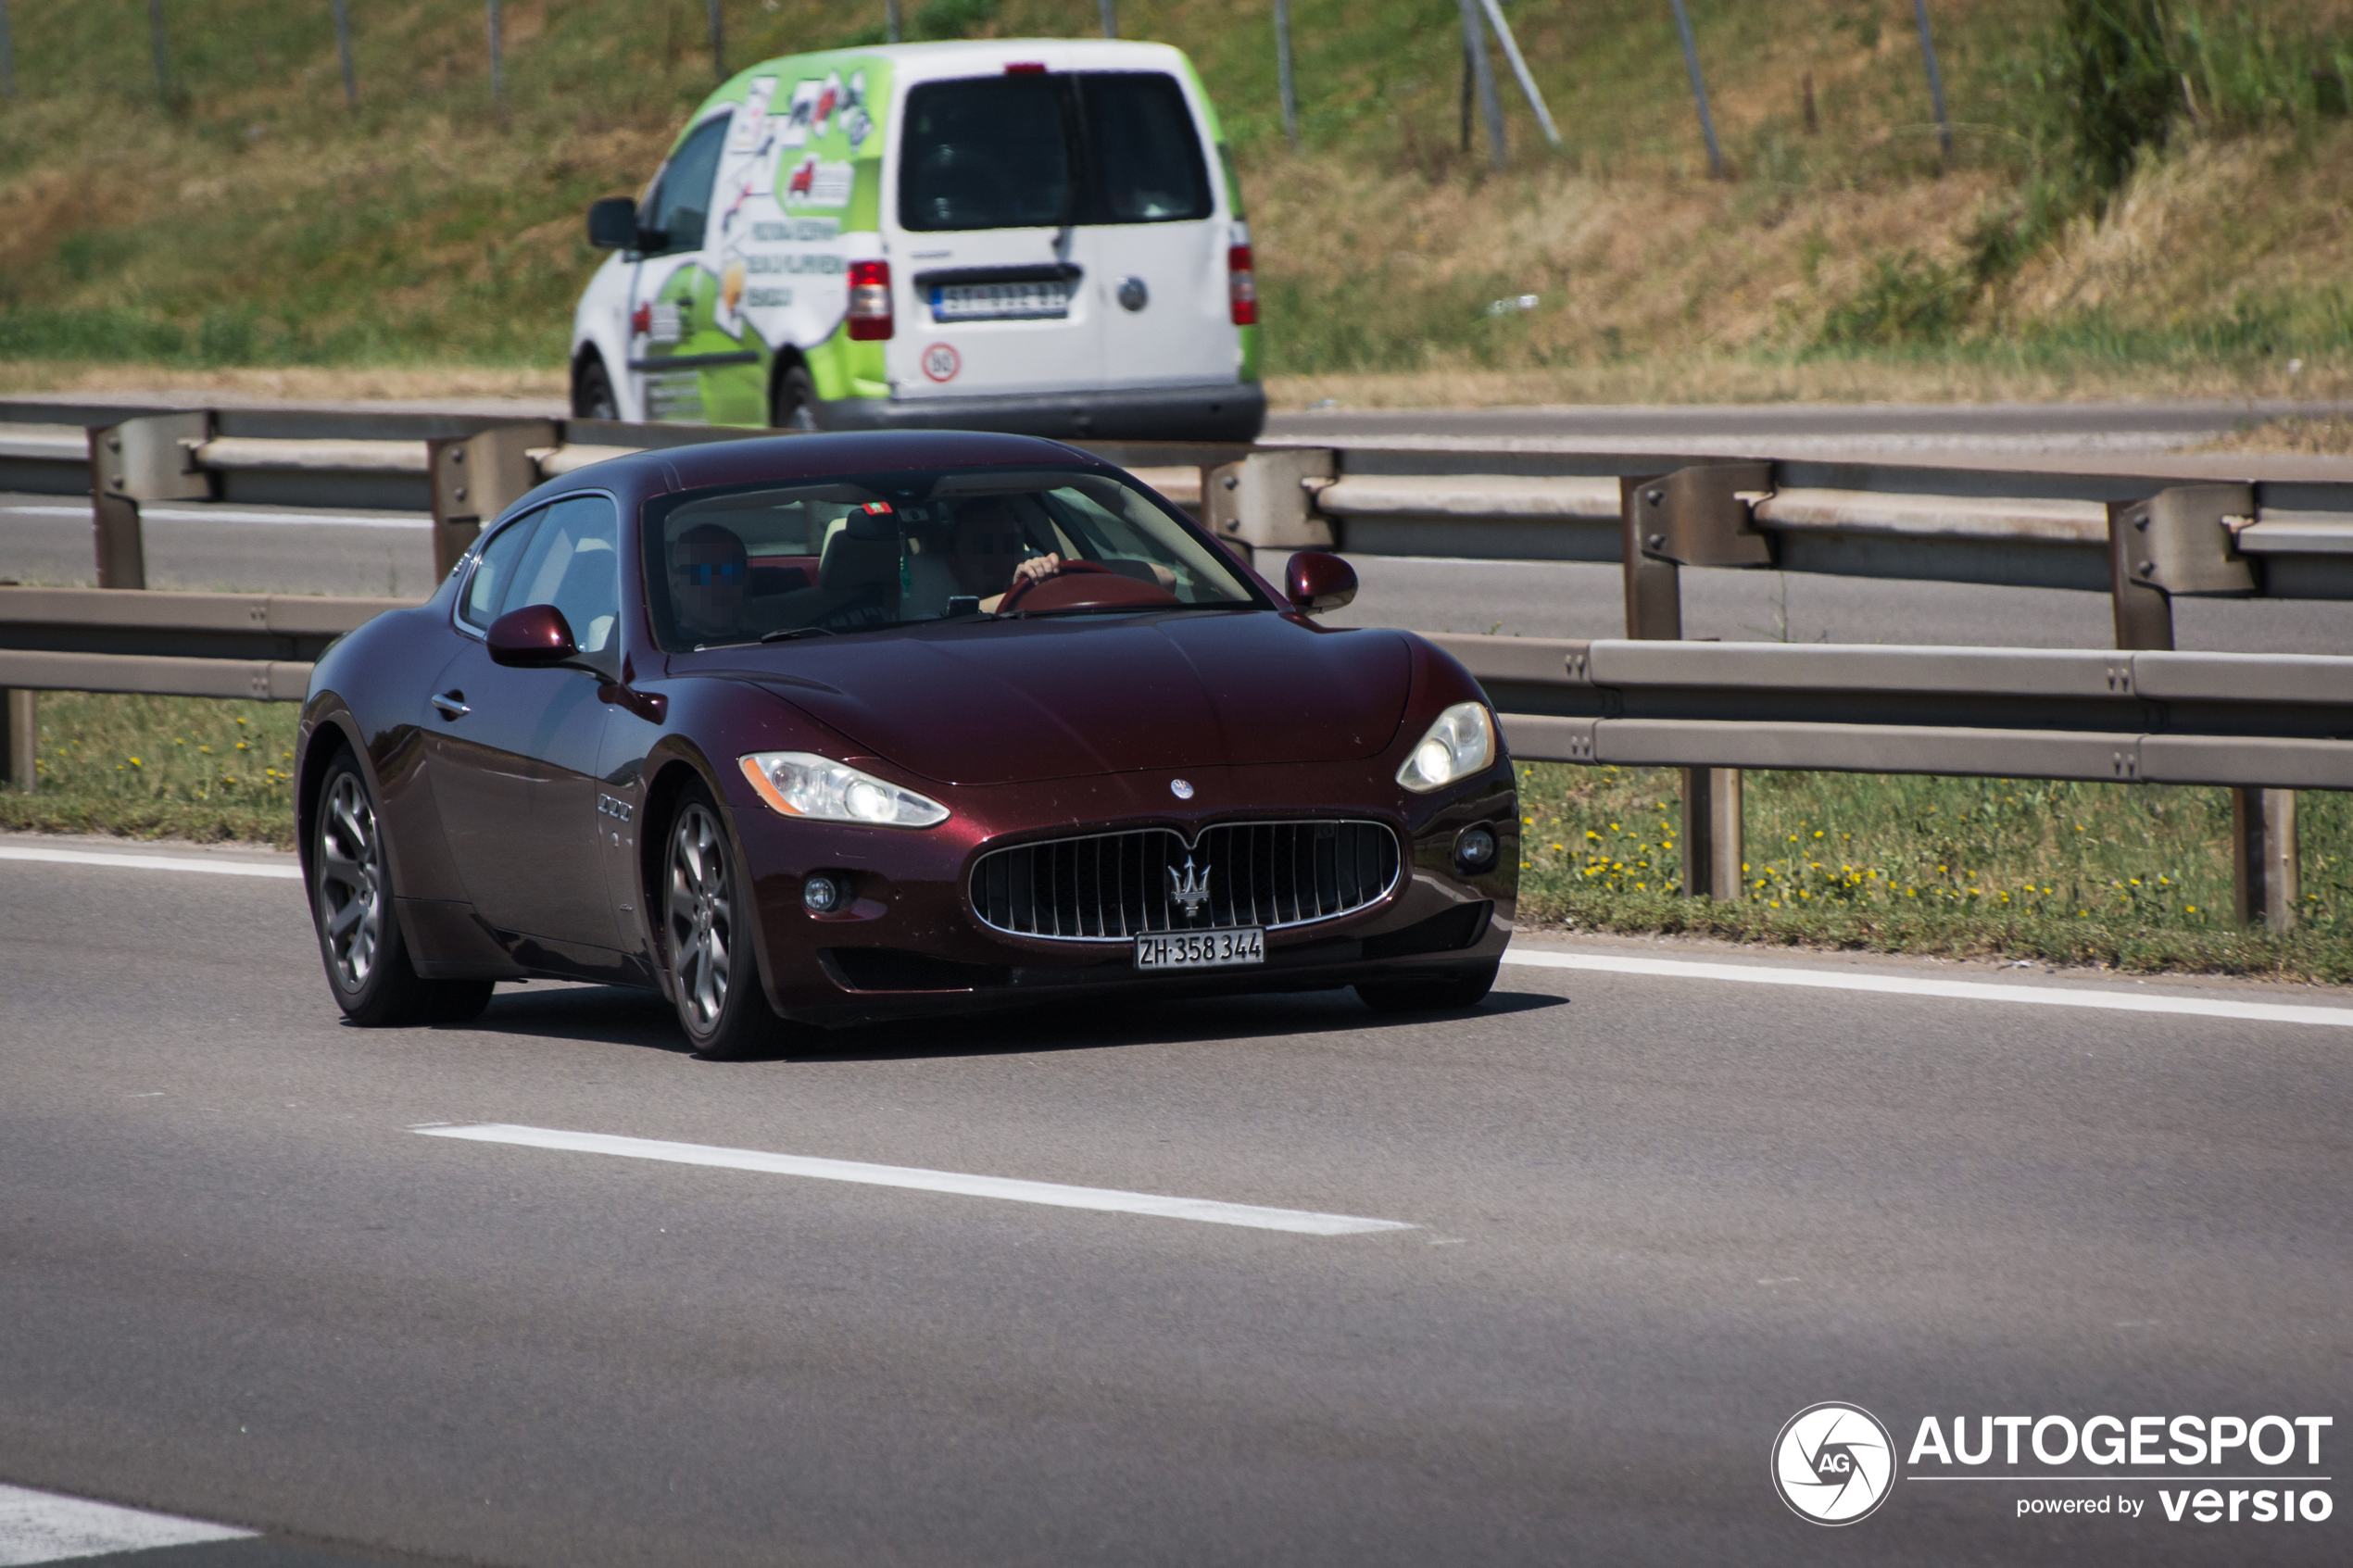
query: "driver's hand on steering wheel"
1037, 569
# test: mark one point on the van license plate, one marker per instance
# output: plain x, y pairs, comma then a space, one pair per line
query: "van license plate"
1202, 950
1047, 301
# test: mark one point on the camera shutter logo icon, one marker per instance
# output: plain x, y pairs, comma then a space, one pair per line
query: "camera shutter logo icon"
1833, 1463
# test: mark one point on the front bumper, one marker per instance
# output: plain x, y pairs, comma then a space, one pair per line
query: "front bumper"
1234, 411
907, 942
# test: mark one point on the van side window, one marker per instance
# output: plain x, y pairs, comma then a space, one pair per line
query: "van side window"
680, 207
1148, 167
990, 153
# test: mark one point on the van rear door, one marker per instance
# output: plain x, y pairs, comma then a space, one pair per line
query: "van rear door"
988, 193
1158, 243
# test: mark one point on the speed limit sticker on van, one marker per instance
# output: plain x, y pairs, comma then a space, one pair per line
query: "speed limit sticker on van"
942, 362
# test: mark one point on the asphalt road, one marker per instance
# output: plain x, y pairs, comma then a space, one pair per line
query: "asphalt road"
1653, 1216
46, 539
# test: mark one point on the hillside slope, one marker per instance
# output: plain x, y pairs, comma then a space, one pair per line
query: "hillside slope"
249, 216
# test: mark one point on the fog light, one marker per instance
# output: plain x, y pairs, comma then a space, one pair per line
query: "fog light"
821, 893
1475, 849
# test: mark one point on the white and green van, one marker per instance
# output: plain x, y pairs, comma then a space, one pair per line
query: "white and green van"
1037, 235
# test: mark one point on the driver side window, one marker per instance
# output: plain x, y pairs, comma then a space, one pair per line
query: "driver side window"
495, 572
573, 563
681, 205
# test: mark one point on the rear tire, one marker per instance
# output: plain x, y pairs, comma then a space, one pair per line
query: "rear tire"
351, 906
794, 406
707, 936
592, 395
1442, 993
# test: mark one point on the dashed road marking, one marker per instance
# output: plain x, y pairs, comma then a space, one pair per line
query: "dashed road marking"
1108, 1199
45, 1527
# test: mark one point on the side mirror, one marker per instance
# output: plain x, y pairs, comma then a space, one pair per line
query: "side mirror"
1316, 582
612, 224
531, 638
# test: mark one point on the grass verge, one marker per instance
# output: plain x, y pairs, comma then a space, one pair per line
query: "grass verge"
160, 766
2130, 877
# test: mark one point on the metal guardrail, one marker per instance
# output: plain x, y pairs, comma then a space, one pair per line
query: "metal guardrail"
2263, 724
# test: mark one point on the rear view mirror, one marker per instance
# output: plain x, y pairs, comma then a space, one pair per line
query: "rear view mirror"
612, 224
1316, 582
531, 638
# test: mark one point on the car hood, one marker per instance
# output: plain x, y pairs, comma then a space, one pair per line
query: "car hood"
1001, 702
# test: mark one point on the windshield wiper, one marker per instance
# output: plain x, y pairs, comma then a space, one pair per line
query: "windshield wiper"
791, 631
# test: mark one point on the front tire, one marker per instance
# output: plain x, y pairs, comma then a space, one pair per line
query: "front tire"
1441, 992
794, 406
351, 906
707, 931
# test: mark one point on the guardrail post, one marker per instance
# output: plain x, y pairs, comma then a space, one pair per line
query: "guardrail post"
2183, 540
20, 736
152, 458
2264, 882
1267, 501
1693, 517
1713, 833
477, 477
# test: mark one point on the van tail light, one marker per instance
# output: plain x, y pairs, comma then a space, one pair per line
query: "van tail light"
869, 301
1241, 286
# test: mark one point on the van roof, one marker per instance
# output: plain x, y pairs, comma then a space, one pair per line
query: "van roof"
964, 51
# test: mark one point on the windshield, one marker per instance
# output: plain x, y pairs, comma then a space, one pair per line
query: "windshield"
1037, 150
865, 553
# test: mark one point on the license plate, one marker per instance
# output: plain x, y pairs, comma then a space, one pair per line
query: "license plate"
1000, 302
1202, 950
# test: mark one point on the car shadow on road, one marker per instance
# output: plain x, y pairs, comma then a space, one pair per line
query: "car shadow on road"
619, 1015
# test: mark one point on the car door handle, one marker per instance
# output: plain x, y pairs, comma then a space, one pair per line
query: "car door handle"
452, 704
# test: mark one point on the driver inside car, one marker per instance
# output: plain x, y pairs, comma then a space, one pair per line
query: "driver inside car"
989, 551
708, 573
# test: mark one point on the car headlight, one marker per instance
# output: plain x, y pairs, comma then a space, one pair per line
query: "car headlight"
1460, 744
800, 784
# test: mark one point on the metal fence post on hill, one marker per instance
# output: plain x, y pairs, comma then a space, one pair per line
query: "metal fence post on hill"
892, 23
1936, 80
155, 35
1520, 72
718, 43
498, 56
1282, 72
1111, 18
342, 51
1699, 90
1491, 106
8, 55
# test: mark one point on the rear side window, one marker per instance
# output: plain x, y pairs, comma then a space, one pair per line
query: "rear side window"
682, 204
1038, 151
987, 154
1146, 157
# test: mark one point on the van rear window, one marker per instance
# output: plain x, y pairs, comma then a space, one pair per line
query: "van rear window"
1039, 151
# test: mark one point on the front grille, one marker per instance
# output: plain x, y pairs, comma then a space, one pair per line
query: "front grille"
1110, 887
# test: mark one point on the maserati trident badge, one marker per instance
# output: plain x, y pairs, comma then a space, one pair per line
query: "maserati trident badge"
1180, 788
1189, 890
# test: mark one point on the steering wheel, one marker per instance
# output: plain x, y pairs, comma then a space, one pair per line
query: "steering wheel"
1022, 585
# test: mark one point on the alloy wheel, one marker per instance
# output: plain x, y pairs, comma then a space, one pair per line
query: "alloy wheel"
700, 916
350, 882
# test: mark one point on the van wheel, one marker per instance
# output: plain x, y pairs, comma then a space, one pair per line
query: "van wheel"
794, 405
592, 396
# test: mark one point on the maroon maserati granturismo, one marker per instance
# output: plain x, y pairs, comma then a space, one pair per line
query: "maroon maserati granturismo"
816, 730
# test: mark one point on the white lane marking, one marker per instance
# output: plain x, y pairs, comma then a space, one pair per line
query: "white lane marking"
208, 514
45, 1527
1955, 990
150, 862
1108, 1199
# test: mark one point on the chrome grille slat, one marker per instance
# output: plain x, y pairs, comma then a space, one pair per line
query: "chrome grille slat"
1113, 886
